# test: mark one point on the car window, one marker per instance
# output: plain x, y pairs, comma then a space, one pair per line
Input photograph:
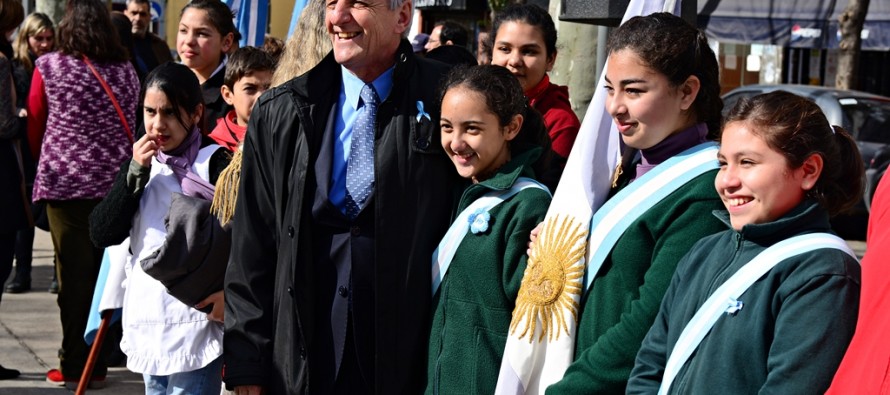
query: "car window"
868, 119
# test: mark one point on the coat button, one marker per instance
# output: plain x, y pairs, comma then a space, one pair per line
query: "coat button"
422, 143
355, 231
342, 291
290, 291
290, 231
302, 353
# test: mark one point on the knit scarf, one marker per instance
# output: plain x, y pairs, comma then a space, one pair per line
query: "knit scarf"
180, 160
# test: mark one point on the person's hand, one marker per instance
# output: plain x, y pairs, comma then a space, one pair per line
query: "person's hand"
143, 150
248, 390
218, 300
532, 237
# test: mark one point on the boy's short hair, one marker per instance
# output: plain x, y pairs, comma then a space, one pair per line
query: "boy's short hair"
245, 61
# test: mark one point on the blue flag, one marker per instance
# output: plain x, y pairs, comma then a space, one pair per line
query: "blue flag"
251, 19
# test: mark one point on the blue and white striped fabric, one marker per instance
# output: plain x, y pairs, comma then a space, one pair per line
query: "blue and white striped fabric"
251, 19
109, 291
614, 217
734, 287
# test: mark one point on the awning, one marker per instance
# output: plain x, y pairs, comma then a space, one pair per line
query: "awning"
790, 23
445, 4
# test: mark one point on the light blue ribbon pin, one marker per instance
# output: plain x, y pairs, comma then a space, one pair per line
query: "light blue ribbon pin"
420, 113
733, 306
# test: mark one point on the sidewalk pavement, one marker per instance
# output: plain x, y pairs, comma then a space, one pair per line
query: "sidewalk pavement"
30, 333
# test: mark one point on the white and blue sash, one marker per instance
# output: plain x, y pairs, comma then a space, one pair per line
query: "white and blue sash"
616, 215
448, 246
728, 293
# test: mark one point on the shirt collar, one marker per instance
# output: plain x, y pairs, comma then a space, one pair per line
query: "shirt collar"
352, 86
222, 65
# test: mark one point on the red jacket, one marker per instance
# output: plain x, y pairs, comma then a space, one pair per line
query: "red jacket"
227, 132
866, 365
552, 101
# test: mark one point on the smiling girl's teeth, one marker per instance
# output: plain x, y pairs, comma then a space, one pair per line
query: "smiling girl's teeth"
738, 201
345, 35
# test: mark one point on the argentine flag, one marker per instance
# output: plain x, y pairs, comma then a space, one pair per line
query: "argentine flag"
541, 340
251, 19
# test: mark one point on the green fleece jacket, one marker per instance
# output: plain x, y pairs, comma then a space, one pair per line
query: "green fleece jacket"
791, 332
626, 293
474, 304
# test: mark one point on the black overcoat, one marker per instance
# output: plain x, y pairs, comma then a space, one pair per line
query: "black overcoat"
269, 284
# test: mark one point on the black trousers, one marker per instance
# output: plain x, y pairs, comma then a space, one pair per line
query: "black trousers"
77, 268
7, 250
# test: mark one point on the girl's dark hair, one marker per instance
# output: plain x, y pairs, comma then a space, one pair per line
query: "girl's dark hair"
181, 87
220, 15
796, 127
86, 30
671, 46
505, 99
529, 14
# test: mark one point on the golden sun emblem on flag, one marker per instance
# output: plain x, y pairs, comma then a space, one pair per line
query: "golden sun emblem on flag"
551, 280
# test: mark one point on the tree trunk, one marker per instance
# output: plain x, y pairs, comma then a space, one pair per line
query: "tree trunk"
851, 21
54, 9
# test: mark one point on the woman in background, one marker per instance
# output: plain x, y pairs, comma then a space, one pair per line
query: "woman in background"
84, 140
36, 37
16, 215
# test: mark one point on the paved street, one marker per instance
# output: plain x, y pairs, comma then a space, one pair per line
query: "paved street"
30, 333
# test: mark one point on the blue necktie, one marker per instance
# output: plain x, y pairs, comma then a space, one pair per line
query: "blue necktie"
360, 165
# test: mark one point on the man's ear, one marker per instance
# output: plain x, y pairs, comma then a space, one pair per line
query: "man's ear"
227, 95
404, 20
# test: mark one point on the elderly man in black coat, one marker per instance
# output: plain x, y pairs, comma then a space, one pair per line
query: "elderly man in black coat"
345, 194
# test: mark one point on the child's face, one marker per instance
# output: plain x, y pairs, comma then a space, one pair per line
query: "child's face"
161, 123
755, 182
244, 93
520, 48
199, 44
643, 103
472, 135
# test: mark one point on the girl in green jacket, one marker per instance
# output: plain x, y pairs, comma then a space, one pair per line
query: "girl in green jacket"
663, 94
783, 171
496, 142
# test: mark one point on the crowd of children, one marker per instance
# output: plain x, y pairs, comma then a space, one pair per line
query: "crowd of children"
723, 282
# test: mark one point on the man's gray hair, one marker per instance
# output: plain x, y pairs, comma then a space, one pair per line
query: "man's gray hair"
395, 4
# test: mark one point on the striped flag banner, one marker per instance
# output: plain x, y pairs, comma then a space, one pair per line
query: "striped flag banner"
299, 5
541, 339
109, 291
251, 19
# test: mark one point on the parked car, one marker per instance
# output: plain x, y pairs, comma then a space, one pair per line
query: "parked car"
866, 116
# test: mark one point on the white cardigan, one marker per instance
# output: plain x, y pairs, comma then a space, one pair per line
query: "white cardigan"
162, 335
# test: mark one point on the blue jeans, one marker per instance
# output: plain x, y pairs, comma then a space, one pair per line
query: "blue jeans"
207, 380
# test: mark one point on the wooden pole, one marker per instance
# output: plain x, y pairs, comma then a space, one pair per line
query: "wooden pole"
94, 352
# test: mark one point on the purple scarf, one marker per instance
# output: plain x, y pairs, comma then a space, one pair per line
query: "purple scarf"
180, 160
